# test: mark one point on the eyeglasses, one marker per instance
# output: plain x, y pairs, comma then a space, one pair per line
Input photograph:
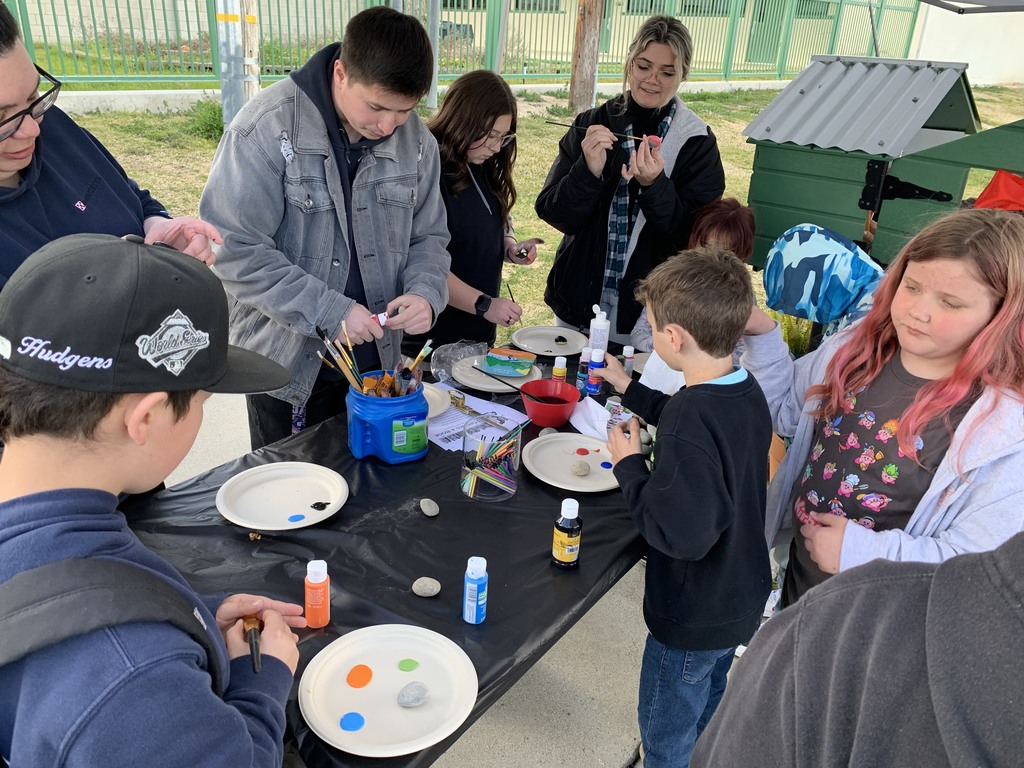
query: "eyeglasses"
644, 70
35, 110
501, 139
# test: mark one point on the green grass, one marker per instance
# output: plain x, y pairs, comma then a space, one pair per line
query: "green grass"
171, 155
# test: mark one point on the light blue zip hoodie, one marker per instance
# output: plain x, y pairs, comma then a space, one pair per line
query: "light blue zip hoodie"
975, 501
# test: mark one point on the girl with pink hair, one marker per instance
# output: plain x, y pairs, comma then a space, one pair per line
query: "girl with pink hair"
940, 360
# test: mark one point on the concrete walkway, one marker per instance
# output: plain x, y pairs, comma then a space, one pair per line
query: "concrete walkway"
575, 708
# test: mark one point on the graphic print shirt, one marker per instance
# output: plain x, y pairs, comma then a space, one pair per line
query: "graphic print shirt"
857, 470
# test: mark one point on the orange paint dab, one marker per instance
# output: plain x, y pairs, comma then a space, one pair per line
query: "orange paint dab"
359, 676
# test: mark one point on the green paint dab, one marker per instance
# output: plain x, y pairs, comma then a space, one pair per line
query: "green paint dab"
408, 665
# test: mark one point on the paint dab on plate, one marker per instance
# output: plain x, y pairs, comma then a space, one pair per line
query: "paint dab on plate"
408, 665
582, 452
352, 721
296, 518
606, 464
359, 676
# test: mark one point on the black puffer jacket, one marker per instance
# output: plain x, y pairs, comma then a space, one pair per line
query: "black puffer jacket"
576, 203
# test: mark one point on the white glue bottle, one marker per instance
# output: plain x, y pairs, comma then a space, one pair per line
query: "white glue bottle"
599, 328
474, 591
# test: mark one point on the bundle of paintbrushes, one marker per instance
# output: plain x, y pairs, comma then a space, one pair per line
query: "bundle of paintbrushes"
402, 381
344, 362
489, 471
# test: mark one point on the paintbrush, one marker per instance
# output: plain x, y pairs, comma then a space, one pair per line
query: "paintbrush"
512, 296
251, 627
584, 129
341, 360
340, 364
427, 349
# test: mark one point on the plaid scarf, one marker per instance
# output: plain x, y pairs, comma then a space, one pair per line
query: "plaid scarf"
621, 221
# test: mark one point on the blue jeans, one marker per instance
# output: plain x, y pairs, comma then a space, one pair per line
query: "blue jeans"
679, 692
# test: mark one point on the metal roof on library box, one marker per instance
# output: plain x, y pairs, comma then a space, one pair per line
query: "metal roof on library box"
873, 105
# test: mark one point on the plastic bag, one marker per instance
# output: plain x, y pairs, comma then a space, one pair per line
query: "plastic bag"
446, 356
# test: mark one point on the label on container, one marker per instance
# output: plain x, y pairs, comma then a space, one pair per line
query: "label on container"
475, 607
566, 548
408, 435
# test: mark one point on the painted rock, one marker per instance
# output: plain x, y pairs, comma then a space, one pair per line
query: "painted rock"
413, 695
426, 586
548, 431
580, 468
429, 507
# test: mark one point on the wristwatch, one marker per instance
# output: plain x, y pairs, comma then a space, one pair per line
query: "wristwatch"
483, 303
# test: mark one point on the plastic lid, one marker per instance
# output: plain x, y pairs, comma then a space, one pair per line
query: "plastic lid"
585, 353
599, 313
570, 509
316, 571
559, 362
597, 356
476, 567
628, 351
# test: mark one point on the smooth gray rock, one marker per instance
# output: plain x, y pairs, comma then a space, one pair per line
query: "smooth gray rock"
580, 468
548, 431
426, 586
429, 507
413, 695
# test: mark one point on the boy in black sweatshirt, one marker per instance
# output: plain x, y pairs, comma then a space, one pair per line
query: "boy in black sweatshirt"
701, 508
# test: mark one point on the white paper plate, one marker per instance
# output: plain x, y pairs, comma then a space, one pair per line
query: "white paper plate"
541, 340
282, 496
464, 373
327, 699
437, 400
640, 360
549, 457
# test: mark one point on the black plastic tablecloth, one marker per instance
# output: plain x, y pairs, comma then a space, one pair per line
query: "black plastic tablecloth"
380, 542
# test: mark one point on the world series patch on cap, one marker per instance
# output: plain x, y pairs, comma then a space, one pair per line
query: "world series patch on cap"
105, 314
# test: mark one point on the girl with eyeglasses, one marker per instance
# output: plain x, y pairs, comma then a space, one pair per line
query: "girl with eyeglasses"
56, 179
625, 204
475, 131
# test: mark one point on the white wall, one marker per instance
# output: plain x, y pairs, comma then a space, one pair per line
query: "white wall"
988, 42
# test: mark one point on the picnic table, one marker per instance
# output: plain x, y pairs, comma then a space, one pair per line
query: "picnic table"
380, 542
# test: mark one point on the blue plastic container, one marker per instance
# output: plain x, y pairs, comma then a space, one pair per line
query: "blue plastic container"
394, 429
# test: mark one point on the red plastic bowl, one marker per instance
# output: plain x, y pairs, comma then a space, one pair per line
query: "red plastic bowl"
550, 414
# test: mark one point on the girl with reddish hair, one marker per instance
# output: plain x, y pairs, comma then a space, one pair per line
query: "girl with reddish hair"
908, 427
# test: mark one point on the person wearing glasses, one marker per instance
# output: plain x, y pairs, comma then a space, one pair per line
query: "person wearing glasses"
629, 179
475, 131
56, 179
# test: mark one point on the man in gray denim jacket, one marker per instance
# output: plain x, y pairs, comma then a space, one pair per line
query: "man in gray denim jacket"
325, 189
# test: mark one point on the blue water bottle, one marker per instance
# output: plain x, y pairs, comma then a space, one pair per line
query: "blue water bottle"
474, 594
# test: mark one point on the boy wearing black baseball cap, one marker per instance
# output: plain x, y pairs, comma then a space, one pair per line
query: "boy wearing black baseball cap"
108, 348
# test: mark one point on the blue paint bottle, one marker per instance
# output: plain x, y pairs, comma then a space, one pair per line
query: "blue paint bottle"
474, 591
594, 381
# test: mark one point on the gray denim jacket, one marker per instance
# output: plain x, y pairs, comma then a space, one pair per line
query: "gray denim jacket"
275, 195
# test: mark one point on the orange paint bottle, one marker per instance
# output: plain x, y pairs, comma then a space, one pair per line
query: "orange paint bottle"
318, 595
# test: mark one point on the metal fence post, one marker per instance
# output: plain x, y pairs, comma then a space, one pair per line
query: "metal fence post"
433, 21
238, 42
21, 13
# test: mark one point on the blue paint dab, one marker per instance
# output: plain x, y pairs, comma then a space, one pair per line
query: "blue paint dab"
352, 721
606, 465
296, 518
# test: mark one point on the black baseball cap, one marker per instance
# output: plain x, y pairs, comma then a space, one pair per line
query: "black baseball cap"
105, 314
